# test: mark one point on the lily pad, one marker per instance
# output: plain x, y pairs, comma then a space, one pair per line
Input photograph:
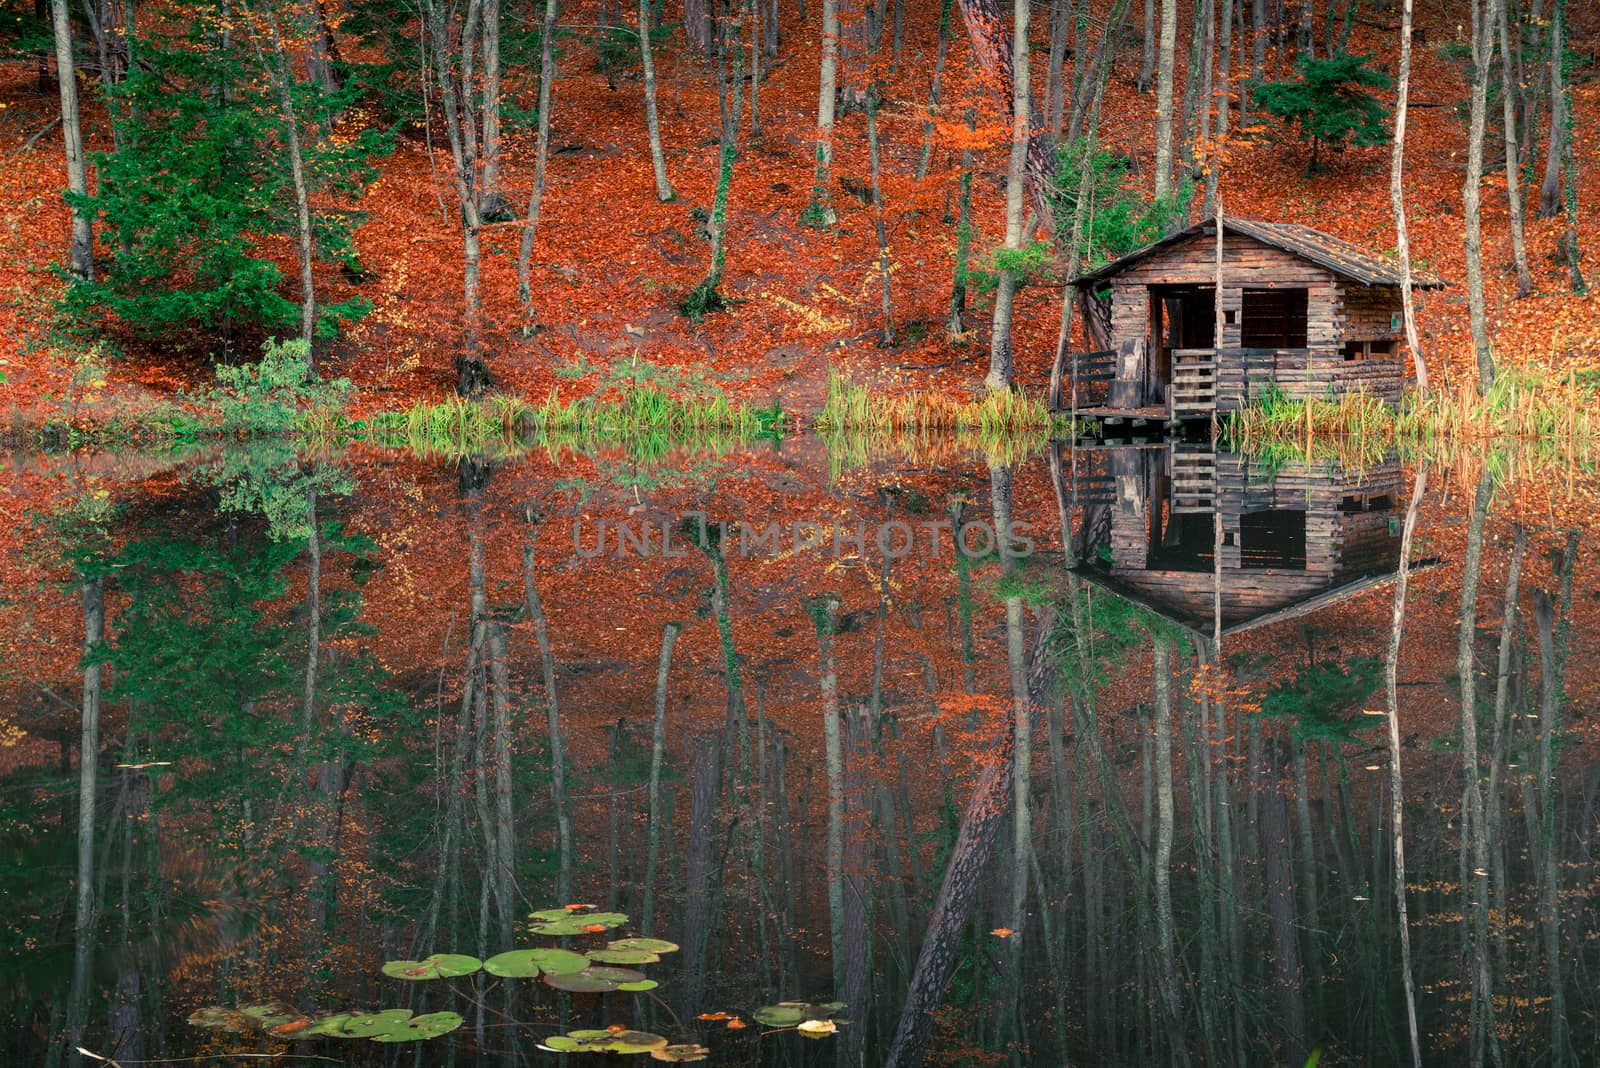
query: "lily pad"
634, 1042
649, 945
581, 983
558, 929
373, 1024
432, 1025
438, 966
779, 1015
267, 1010
640, 987
560, 1044
614, 975
331, 1026
221, 1018
622, 956
817, 1028
529, 963
681, 1054
296, 1025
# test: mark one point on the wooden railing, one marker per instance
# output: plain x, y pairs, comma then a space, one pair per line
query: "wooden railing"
1089, 377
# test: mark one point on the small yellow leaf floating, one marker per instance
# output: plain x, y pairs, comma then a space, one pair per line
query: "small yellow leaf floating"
736, 1024
579, 908
1002, 932
817, 1028
680, 1054
713, 1016
617, 1029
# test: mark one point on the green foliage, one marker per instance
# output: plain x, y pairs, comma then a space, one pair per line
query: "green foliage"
1329, 103
1032, 264
199, 185
275, 394
1117, 219
1321, 700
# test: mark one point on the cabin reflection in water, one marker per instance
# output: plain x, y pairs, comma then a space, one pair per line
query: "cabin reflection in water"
1156, 520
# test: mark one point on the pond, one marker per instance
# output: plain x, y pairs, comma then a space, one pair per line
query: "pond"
714, 755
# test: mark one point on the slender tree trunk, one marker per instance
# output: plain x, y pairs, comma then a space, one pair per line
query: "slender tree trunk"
1508, 103
1569, 200
658, 746
698, 873
1164, 78
820, 212
1162, 667
1560, 102
281, 78
1397, 195
1054, 84
1392, 707
1000, 356
1147, 56
652, 121
1485, 19
824, 615
705, 297
557, 742
493, 200
940, 57
94, 625
80, 250
880, 225
956, 324
541, 160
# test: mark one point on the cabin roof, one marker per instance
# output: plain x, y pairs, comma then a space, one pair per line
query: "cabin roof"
1335, 254
1293, 608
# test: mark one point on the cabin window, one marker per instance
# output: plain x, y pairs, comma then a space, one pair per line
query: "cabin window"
1355, 350
1274, 318
1275, 538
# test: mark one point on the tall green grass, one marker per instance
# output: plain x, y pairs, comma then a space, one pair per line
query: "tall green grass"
645, 420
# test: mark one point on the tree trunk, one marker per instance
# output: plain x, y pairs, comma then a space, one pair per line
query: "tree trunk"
652, 121
1560, 103
824, 615
1171, 1008
1147, 56
1392, 708
94, 628
557, 742
963, 877
541, 159
493, 201
820, 211
80, 249
1164, 75
1397, 195
1514, 205
880, 225
1485, 18
1000, 357
956, 323
940, 57
698, 871
281, 76
658, 746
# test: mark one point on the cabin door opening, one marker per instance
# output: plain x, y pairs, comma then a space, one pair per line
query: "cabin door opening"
1181, 317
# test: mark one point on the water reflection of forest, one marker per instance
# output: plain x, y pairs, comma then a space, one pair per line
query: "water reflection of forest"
348, 711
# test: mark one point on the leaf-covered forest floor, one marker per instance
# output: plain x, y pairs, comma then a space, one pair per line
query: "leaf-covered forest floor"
611, 262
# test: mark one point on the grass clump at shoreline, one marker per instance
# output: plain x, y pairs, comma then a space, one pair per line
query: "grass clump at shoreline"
1555, 419
645, 419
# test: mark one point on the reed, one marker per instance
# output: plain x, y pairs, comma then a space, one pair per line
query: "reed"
1538, 414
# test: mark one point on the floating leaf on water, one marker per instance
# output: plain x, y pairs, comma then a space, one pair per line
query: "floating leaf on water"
221, 1018
559, 929
579, 908
332, 1026
779, 1015
649, 945
606, 919
295, 1026
634, 1042
372, 1024
549, 915
822, 1010
417, 1028
268, 1009
560, 1044
817, 1028
588, 1034
622, 956
581, 983
640, 987
614, 975
438, 966
529, 963
680, 1054
736, 1024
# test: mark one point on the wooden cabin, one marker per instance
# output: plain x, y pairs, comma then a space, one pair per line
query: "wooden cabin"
1303, 311
1157, 520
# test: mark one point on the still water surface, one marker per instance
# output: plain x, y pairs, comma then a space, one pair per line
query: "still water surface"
358, 709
